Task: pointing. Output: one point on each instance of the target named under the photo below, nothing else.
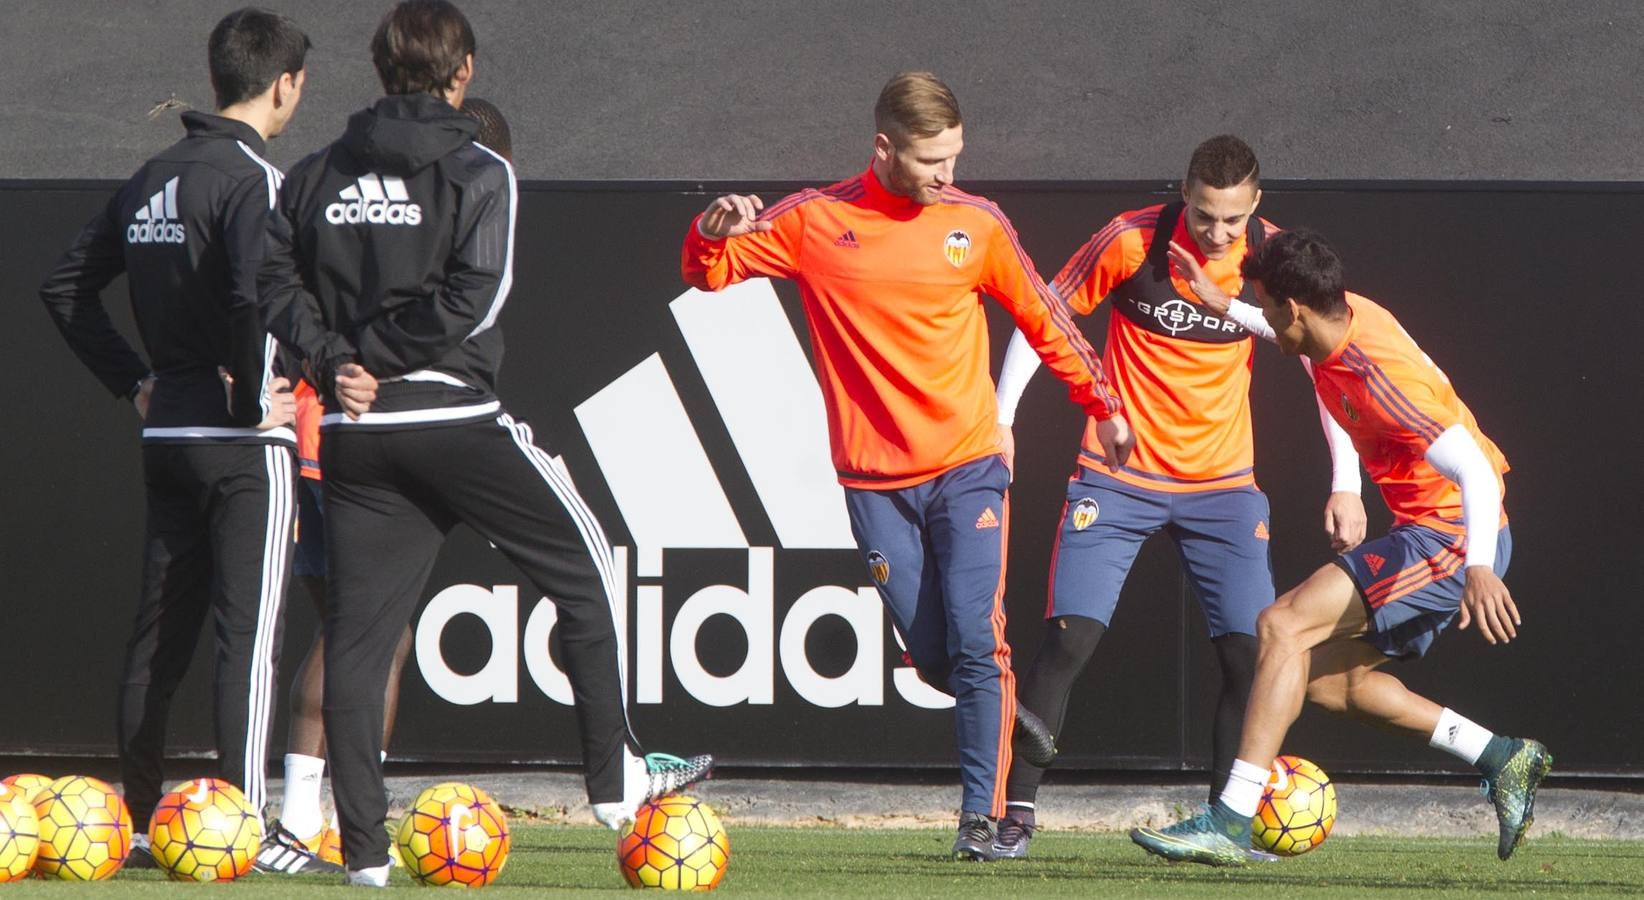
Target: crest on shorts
(879, 566)
(955, 247)
(1085, 513)
(1347, 407)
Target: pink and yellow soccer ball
(1297, 810)
(204, 830)
(85, 829)
(674, 843)
(19, 834)
(454, 834)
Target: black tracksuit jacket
(393, 248)
(188, 230)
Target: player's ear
(883, 147)
(1256, 202)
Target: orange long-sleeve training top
(892, 293)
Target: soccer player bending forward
(1390, 597)
(891, 265)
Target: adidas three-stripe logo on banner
(157, 222)
(374, 200)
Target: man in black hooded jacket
(390, 257)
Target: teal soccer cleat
(1215, 836)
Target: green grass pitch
(562, 861)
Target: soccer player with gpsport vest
(1183, 370)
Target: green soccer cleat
(1512, 790)
(1215, 836)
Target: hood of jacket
(403, 134)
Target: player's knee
(1070, 642)
(1276, 627)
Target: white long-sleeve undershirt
(1458, 457)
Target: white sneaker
(648, 778)
(376, 876)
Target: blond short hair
(915, 105)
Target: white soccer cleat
(645, 779)
(376, 877)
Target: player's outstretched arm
(1485, 599)
(1046, 322)
(1214, 298)
(730, 241)
(1208, 292)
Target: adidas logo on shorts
(157, 222)
(374, 200)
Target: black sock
(1020, 812)
(1045, 687)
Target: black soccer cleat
(283, 853)
(142, 854)
(1032, 742)
(974, 842)
(1011, 840)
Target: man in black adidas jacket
(188, 230)
(390, 257)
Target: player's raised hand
(1193, 273)
(1117, 440)
(356, 389)
(282, 405)
(1344, 520)
(1486, 599)
(732, 215)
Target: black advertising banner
(693, 426)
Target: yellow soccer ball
(674, 843)
(454, 835)
(204, 830)
(1298, 809)
(19, 834)
(85, 829)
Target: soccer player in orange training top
(1183, 372)
(1390, 597)
(891, 265)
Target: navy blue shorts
(1411, 580)
(310, 561)
(1222, 537)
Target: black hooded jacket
(187, 229)
(393, 248)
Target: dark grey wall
(1052, 89)
(1520, 318)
